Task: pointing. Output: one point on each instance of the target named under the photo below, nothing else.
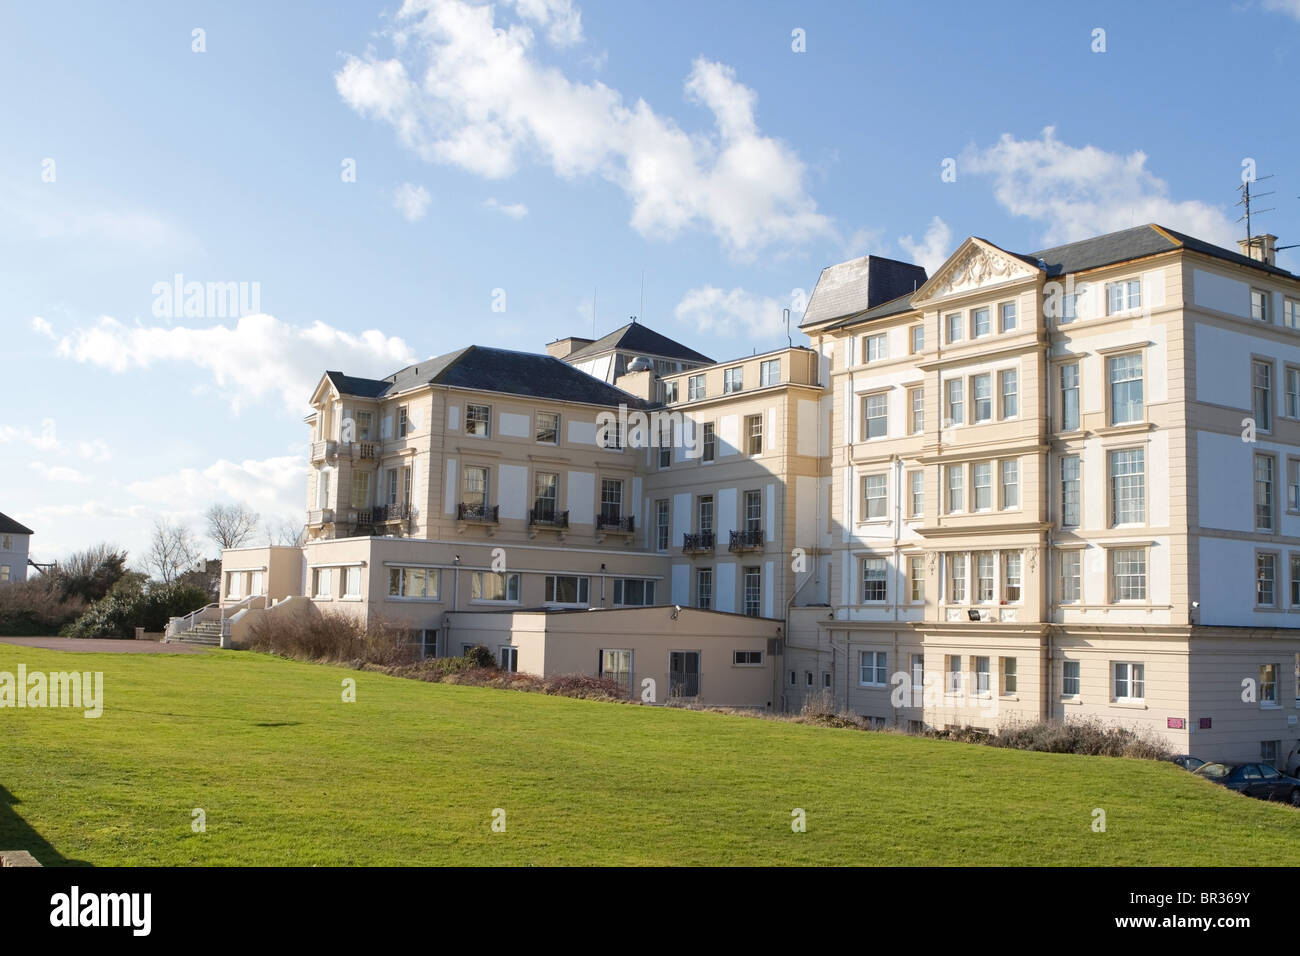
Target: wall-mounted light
(677, 609)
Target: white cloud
(516, 210)
(273, 487)
(932, 248)
(562, 21)
(866, 241)
(46, 440)
(41, 326)
(256, 358)
(737, 312)
(94, 450)
(1079, 192)
(51, 212)
(467, 91)
(411, 201)
(59, 473)
(1291, 7)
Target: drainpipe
(1046, 565)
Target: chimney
(1260, 248)
(563, 348)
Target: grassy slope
(410, 773)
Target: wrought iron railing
(700, 541)
(485, 514)
(548, 517)
(745, 540)
(616, 523)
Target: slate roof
(494, 370)
(641, 339)
(856, 286)
(1114, 247)
(9, 526)
(893, 307)
(1147, 240)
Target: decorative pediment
(975, 265)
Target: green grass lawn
(411, 773)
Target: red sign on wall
(1175, 723)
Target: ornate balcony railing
(382, 513)
(700, 541)
(745, 540)
(548, 518)
(624, 523)
(480, 513)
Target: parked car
(1186, 761)
(1254, 780)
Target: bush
(35, 608)
(331, 638)
(1090, 737)
(91, 574)
(480, 656)
(130, 604)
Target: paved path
(99, 645)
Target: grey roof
(635, 337)
(1147, 240)
(494, 370)
(9, 526)
(1114, 247)
(858, 285)
(893, 307)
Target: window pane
(1125, 373)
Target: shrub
(35, 608)
(331, 638)
(130, 604)
(1089, 737)
(480, 656)
(91, 574)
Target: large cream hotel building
(1061, 485)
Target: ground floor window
(1070, 679)
(509, 659)
(1008, 675)
(616, 665)
(684, 674)
(746, 658)
(1269, 750)
(426, 643)
(1130, 681)
(873, 669)
(953, 673)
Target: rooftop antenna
(785, 313)
(641, 310)
(1245, 201)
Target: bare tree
(230, 526)
(172, 551)
(283, 531)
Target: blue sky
(547, 149)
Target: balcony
(354, 450)
(361, 450)
(477, 513)
(746, 540)
(548, 518)
(382, 514)
(703, 541)
(320, 517)
(616, 524)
